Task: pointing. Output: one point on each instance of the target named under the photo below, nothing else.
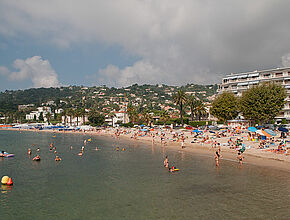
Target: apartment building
(239, 82)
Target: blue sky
(75, 65)
(118, 43)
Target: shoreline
(252, 156)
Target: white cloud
(141, 71)
(4, 70)
(177, 41)
(36, 69)
(286, 60)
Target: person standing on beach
(182, 142)
(166, 162)
(217, 158)
(240, 158)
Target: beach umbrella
(266, 134)
(144, 130)
(252, 129)
(197, 131)
(212, 132)
(270, 132)
(283, 129)
(260, 132)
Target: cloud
(141, 71)
(176, 41)
(286, 60)
(36, 69)
(4, 70)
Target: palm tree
(48, 116)
(192, 102)
(83, 114)
(164, 116)
(180, 100)
(70, 113)
(200, 109)
(146, 116)
(77, 114)
(133, 114)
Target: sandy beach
(252, 155)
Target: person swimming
(80, 153)
(117, 149)
(123, 149)
(37, 158)
(57, 158)
(172, 169)
(29, 151)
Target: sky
(118, 43)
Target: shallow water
(110, 184)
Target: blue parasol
(270, 132)
(252, 129)
(283, 129)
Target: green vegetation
(180, 100)
(262, 103)
(225, 107)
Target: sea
(131, 184)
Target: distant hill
(100, 97)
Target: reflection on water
(132, 184)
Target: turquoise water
(108, 184)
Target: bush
(199, 123)
(127, 125)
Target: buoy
(10, 182)
(89, 139)
(4, 180)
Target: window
(279, 74)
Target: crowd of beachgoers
(239, 141)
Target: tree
(191, 102)
(48, 116)
(199, 109)
(164, 116)
(263, 102)
(96, 119)
(146, 116)
(225, 107)
(77, 114)
(70, 113)
(40, 118)
(180, 100)
(132, 113)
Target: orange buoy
(10, 182)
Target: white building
(120, 117)
(239, 82)
(35, 114)
(74, 121)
